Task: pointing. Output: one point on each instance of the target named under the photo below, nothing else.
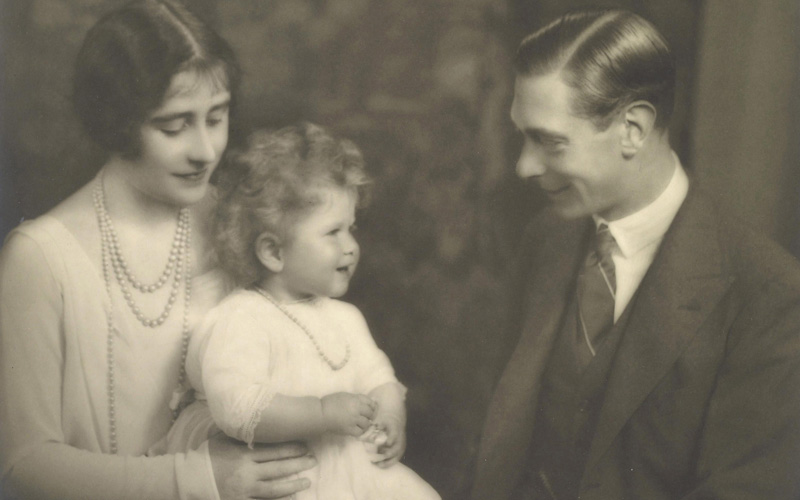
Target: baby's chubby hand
(347, 413)
(390, 439)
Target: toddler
(280, 359)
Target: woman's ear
(269, 252)
(640, 120)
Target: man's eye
(550, 144)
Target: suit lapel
(509, 424)
(686, 280)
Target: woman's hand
(263, 472)
(392, 450)
(347, 413)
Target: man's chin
(569, 211)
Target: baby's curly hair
(271, 183)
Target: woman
(98, 296)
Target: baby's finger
(356, 430)
(391, 434)
(269, 452)
(363, 423)
(279, 489)
(366, 410)
(369, 402)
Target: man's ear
(639, 121)
(269, 251)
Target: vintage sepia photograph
(400, 249)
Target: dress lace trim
(262, 400)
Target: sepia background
(424, 87)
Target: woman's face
(182, 141)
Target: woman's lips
(192, 176)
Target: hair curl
(273, 182)
(609, 58)
(127, 61)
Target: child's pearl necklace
(334, 366)
(180, 258)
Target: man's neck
(653, 168)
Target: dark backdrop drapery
(424, 86)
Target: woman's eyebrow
(187, 114)
(171, 116)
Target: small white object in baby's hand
(374, 437)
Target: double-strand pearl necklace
(175, 262)
(281, 308)
(179, 259)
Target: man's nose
(529, 163)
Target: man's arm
(750, 445)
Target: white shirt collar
(648, 225)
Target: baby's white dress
(247, 350)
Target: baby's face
(322, 254)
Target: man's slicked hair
(608, 58)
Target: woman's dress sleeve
(36, 460)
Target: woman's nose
(202, 147)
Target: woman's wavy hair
(127, 61)
(271, 183)
(609, 58)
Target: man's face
(580, 168)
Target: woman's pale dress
(247, 350)
(54, 419)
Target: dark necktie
(597, 288)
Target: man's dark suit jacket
(703, 397)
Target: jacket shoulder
(756, 261)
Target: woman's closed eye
(173, 127)
(217, 117)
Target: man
(659, 347)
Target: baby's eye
(353, 228)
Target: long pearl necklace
(179, 262)
(334, 366)
(125, 278)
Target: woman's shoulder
(57, 229)
(76, 213)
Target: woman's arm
(36, 460)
